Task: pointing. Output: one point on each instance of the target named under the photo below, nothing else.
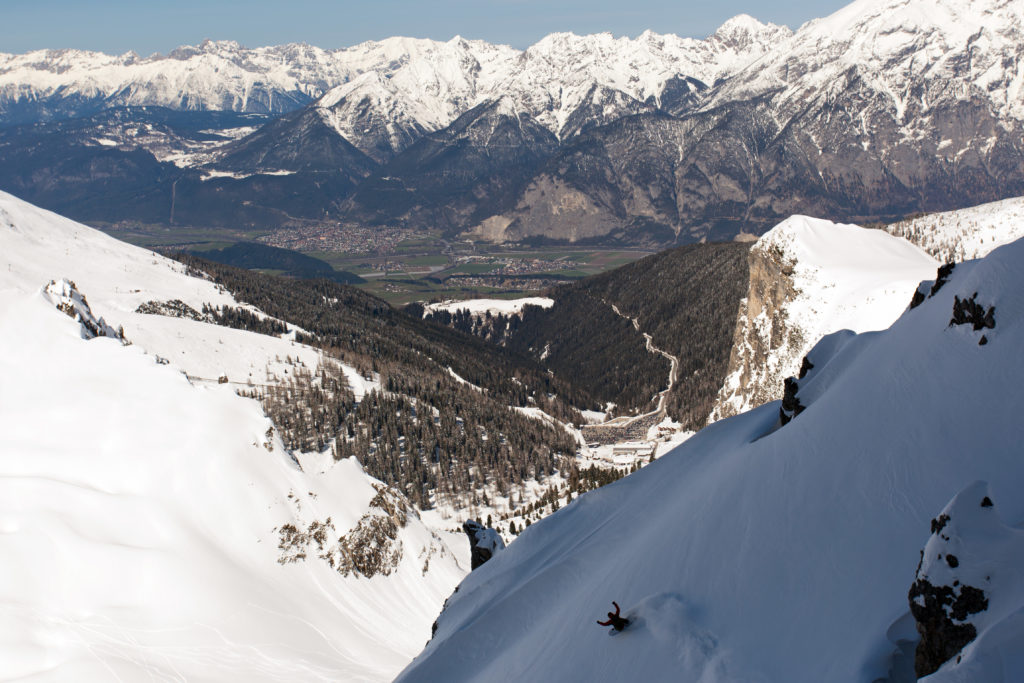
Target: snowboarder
(614, 620)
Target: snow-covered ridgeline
(432, 82)
(954, 48)
(144, 517)
(915, 52)
(965, 234)
(39, 246)
(757, 553)
(810, 277)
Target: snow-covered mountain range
(406, 81)
(885, 108)
(881, 110)
(761, 550)
(151, 521)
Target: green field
(426, 260)
(195, 239)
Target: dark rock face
(970, 312)
(941, 277)
(716, 173)
(456, 177)
(805, 366)
(300, 141)
(791, 406)
(483, 542)
(941, 602)
(937, 610)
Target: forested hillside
(685, 298)
(427, 431)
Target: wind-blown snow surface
(842, 277)
(138, 511)
(756, 555)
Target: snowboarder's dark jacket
(615, 620)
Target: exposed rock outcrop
(483, 542)
(954, 578)
(372, 547)
(810, 278)
(968, 311)
(66, 297)
(764, 337)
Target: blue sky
(148, 26)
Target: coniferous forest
(685, 298)
(426, 432)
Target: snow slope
(140, 513)
(839, 277)
(482, 306)
(38, 246)
(967, 542)
(749, 554)
(966, 233)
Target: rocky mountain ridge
(885, 109)
(434, 81)
(810, 278)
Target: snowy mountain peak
(505, 106)
(441, 80)
(207, 47)
(743, 30)
(911, 54)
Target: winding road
(673, 371)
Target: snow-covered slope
(969, 233)
(810, 277)
(756, 554)
(153, 526)
(482, 306)
(117, 278)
